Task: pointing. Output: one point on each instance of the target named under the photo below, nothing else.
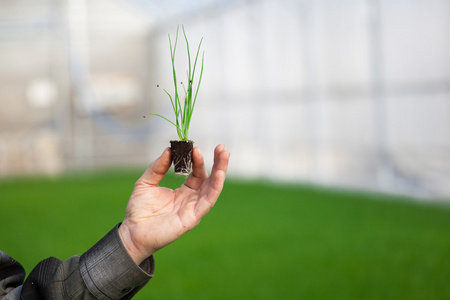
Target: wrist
(126, 235)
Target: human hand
(156, 216)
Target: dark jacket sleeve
(106, 271)
(12, 275)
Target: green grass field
(260, 241)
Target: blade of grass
(183, 113)
(198, 87)
(167, 120)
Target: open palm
(157, 216)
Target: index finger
(199, 174)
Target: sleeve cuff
(108, 270)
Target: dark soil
(182, 156)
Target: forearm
(109, 272)
(12, 275)
(106, 271)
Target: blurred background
(336, 114)
(349, 93)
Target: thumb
(157, 169)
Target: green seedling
(183, 113)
